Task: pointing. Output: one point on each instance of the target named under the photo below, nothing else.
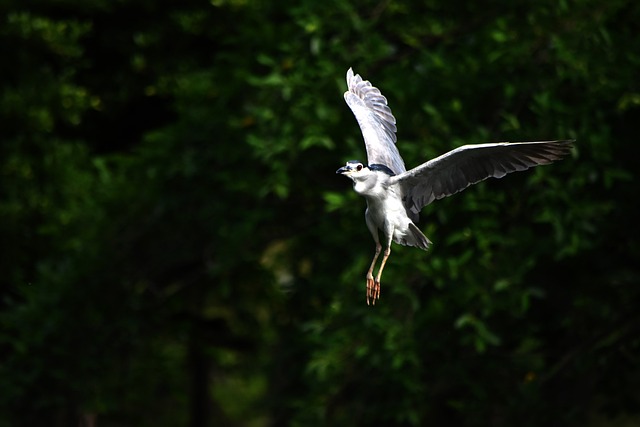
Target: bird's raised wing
(376, 122)
(456, 170)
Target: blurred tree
(177, 250)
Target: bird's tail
(420, 239)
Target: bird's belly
(390, 216)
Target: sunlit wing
(376, 122)
(458, 169)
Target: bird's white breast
(387, 207)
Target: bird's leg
(370, 281)
(376, 286)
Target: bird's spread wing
(456, 170)
(376, 122)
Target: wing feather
(458, 169)
(377, 123)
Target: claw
(370, 290)
(373, 291)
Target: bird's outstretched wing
(456, 170)
(376, 122)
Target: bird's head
(355, 169)
(366, 179)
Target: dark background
(176, 248)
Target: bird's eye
(359, 168)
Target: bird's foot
(373, 291)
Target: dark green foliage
(177, 250)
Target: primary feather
(456, 170)
(376, 122)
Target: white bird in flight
(395, 196)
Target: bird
(395, 196)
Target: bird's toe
(370, 290)
(376, 291)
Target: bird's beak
(342, 170)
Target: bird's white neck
(371, 185)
